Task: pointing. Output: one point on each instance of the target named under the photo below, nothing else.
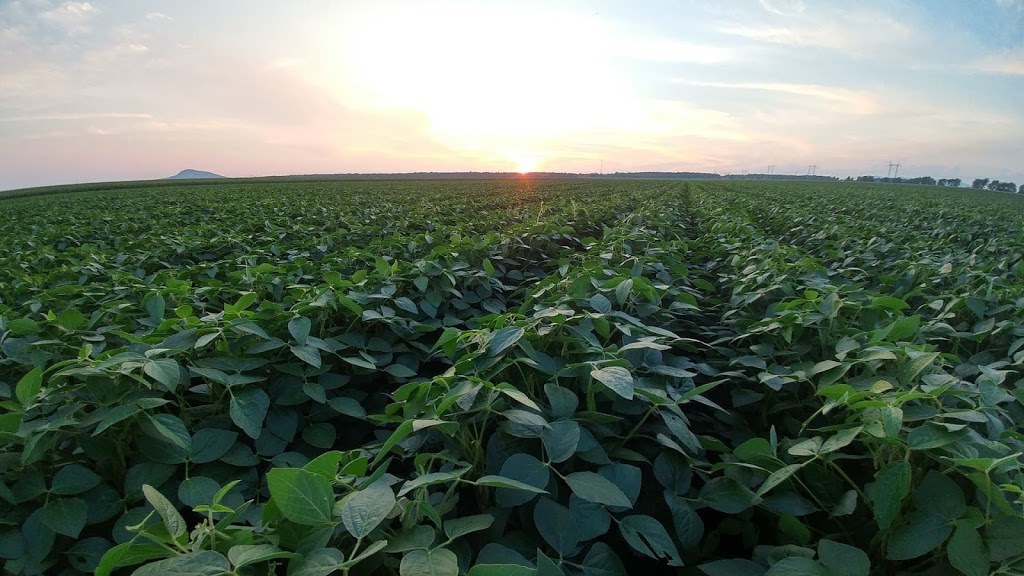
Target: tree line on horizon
(978, 184)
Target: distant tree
(979, 183)
(993, 185)
(1021, 189)
(865, 178)
(1006, 187)
(954, 182)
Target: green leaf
(65, 516)
(529, 477)
(302, 496)
(892, 485)
(437, 562)
(429, 480)
(168, 428)
(840, 440)
(197, 491)
(601, 560)
(248, 409)
(458, 527)
(777, 477)
(327, 464)
(74, 479)
(917, 535)
(727, 495)
(688, 524)
(525, 418)
(562, 400)
(129, 554)
(400, 371)
(403, 430)
(299, 328)
(595, 488)
(501, 570)
(928, 436)
(842, 559)
(966, 551)
(507, 483)
(941, 497)
(797, 566)
(205, 563)
(617, 379)
(732, 567)
(366, 509)
(600, 303)
(547, 567)
(244, 555)
(209, 444)
(23, 326)
(28, 387)
(308, 354)
(890, 303)
(172, 520)
(319, 562)
(503, 339)
(904, 328)
(164, 370)
(1004, 537)
(647, 536)
(556, 525)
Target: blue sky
(117, 89)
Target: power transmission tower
(770, 168)
(897, 174)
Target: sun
(525, 163)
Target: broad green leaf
(842, 559)
(595, 488)
(966, 552)
(546, 566)
(617, 379)
(319, 562)
(797, 566)
(299, 328)
(600, 303)
(244, 555)
(928, 436)
(528, 477)
(205, 563)
(400, 433)
(732, 567)
(167, 428)
(197, 491)
(436, 562)
(458, 527)
(940, 497)
(327, 464)
(501, 570)
(308, 354)
(688, 524)
(248, 409)
(840, 440)
(129, 554)
(164, 370)
(367, 508)
(209, 444)
(525, 418)
(74, 479)
(892, 485)
(562, 400)
(302, 496)
(172, 520)
(727, 495)
(904, 328)
(503, 339)
(65, 516)
(917, 535)
(777, 477)
(1005, 537)
(601, 560)
(556, 525)
(647, 536)
(429, 480)
(28, 386)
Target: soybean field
(512, 378)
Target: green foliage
(512, 378)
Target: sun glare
(525, 164)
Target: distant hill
(188, 173)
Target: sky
(137, 89)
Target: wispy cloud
(74, 17)
(851, 101)
(158, 17)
